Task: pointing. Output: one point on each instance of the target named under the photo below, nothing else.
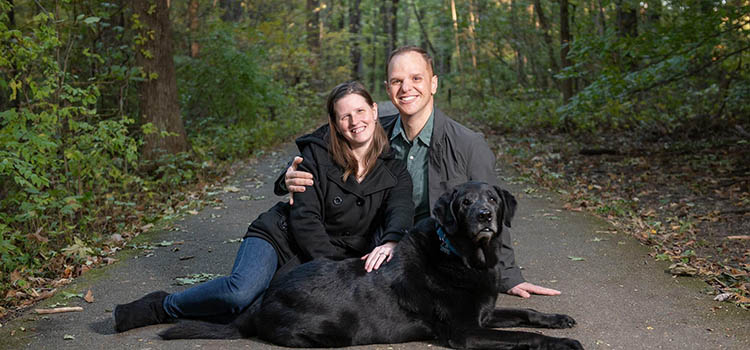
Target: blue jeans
(253, 270)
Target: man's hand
(526, 289)
(295, 180)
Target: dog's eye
(466, 201)
(493, 199)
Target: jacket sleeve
(481, 167)
(306, 217)
(398, 206)
(279, 187)
(481, 161)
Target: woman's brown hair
(339, 148)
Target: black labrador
(441, 284)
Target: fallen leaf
(69, 337)
(576, 258)
(723, 296)
(681, 269)
(193, 212)
(89, 297)
(195, 278)
(231, 189)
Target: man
(439, 152)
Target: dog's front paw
(561, 321)
(564, 344)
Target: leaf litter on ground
(195, 278)
(674, 195)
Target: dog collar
(445, 245)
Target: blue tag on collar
(445, 245)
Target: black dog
(441, 285)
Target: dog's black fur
(423, 293)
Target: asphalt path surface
(620, 297)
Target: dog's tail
(201, 330)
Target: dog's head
(472, 216)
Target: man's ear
(443, 211)
(508, 206)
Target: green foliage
(57, 153)
(227, 82)
(232, 105)
(677, 71)
(518, 110)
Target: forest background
(116, 115)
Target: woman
(359, 206)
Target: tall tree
(394, 24)
(627, 18)
(232, 10)
(454, 16)
(385, 13)
(354, 30)
(627, 27)
(193, 19)
(547, 38)
(313, 26)
(565, 40)
(472, 36)
(158, 93)
(374, 51)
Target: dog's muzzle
(483, 237)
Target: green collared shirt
(416, 155)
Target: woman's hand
(379, 255)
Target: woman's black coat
(338, 219)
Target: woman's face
(356, 120)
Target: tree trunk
(232, 10)
(193, 19)
(313, 27)
(627, 18)
(601, 23)
(354, 30)
(394, 24)
(158, 93)
(565, 39)
(454, 16)
(627, 27)
(472, 36)
(653, 13)
(374, 46)
(419, 14)
(385, 12)
(547, 40)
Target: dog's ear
(509, 205)
(443, 211)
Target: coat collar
(379, 179)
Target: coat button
(360, 202)
(337, 201)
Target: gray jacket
(457, 155)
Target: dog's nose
(485, 215)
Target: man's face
(411, 84)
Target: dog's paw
(564, 344)
(561, 321)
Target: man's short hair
(410, 48)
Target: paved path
(621, 298)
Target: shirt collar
(424, 136)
